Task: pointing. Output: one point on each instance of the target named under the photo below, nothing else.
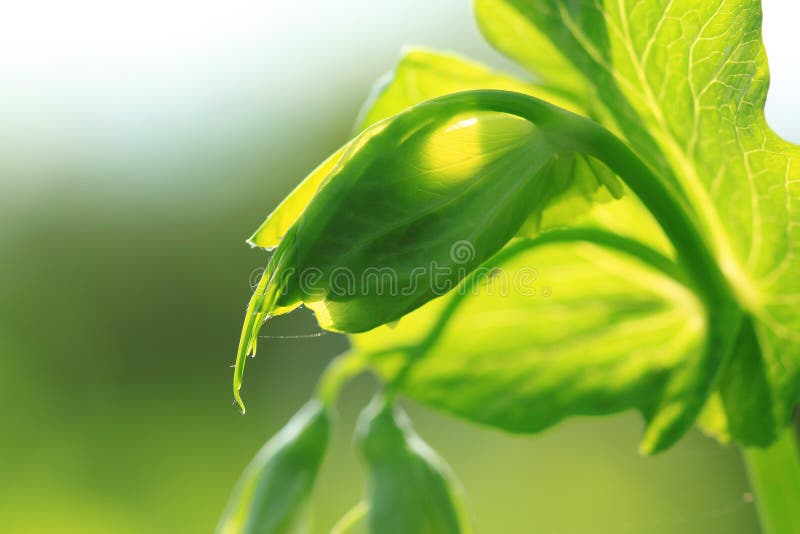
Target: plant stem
(349, 520)
(344, 367)
(774, 474)
(338, 371)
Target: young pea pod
(272, 494)
(410, 489)
(411, 211)
(402, 214)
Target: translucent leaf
(685, 84)
(551, 331)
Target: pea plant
(622, 233)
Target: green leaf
(707, 148)
(409, 488)
(550, 329)
(272, 494)
(277, 224)
(685, 84)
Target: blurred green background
(139, 146)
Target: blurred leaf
(272, 495)
(409, 488)
(775, 476)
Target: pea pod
(272, 493)
(402, 214)
(417, 202)
(410, 489)
(408, 213)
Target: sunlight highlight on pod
(463, 146)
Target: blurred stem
(350, 519)
(343, 368)
(774, 474)
(340, 370)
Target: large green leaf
(558, 328)
(684, 82)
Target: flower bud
(402, 214)
(410, 489)
(272, 493)
(410, 211)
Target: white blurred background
(122, 82)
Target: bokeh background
(140, 143)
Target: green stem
(339, 370)
(349, 520)
(571, 133)
(344, 367)
(774, 474)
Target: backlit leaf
(553, 330)
(685, 84)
